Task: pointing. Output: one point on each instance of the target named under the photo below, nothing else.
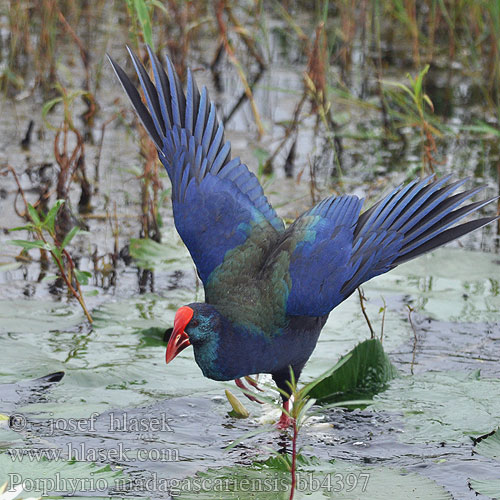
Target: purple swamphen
(269, 289)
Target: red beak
(179, 339)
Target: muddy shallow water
(420, 429)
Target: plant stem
(220, 7)
(362, 299)
(294, 458)
(77, 294)
(415, 338)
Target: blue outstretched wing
(334, 251)
(410, 221)
(212, 217)
(320, 247)
(216, 199)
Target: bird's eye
(193, 323)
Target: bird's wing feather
(216, 199)
(319, 245)
(333, 251)
(409, 222)
(213, 218)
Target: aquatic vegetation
(301, 88)
(44, 228)
(418, 119)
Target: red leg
(241, 385)
(285, 421)
(253, 383)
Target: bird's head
(197, 325)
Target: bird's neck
(233, 352)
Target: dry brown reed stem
(315, 91)
(68, 164)
(384, 309)
(179, 46)
(378, 71)
(20, 190)
(494, 63)
(294, 459)
(316, 66)
(411, 11)
(116, 233)
(244, 35)
(44, 196)
(83, 52)
(415, 338)
(348, 23)
(88, 97)
(427, 132)
(362, 299)
(45, 50)
(433, 23)
(19, 42)
(186, 17)
(268, 167)
(150, 183)
(219, 12)
(97, 160)
(429, 150)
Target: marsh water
(120, 422)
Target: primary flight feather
(269, 289)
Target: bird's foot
(241, 385)
(285, 420)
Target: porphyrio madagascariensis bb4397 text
(269, 289)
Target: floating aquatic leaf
(443, 287)
(315, 480)
(28, 316)
(58, 477)
(170, 255)
(488, 447)
(362, 373)
(487, 487)
(443, 406)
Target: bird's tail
(410, 221)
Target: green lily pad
(361, 373)
(487, 487)
(30, 316)
(447, 285)
(442, 406)
(488, 447)
(320, 480)
(169, 255)
(119, 363)
(59, 477)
